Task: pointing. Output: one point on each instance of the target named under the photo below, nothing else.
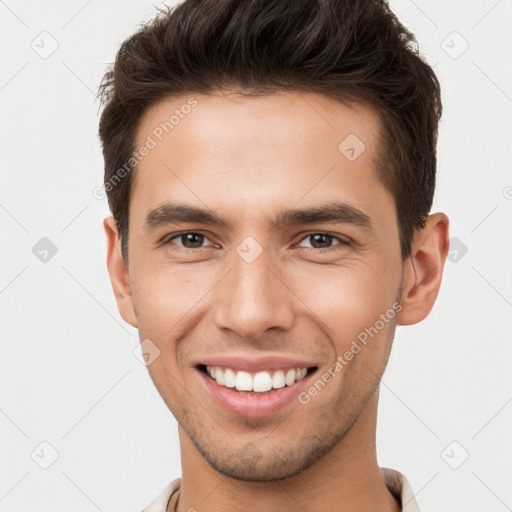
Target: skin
(248, 159)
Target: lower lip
(254, 405)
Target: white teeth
(260, 382)
(290, 377)
(219, 376)
(243, 381)
(301, 373)
(229, 378)
(278, 380)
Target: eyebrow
(337, 212)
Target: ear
(119, 273)
(423, 269)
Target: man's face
(259, 297)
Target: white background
(69, 375)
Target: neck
(346, 478)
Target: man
(270, 167)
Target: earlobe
(118, 272)
(423, 270)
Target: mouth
(254, 394)
(256, 382)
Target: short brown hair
(350, 50)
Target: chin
(250, 463)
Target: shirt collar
(395, 481)
(400, 488)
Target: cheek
(164, 295)
(350, 301)
(164, 298)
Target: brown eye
(323, 240)
(189, 240)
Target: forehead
(226, 148)
(293, 114)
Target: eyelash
(342, 241)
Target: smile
(260, 382)
(253, 390)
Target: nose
(254, 298)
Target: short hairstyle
(354, 51)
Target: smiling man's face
(254, 287)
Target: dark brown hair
(350, 50)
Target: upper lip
(256, 363)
